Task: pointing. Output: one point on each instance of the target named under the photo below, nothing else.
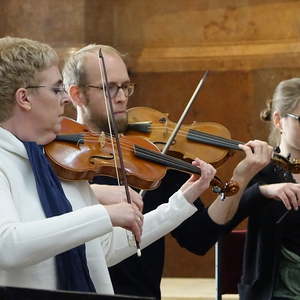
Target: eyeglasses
(113, 88)
(57, 90)
(294, 116)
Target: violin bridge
(166, 130)
(101, 139)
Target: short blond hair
(20, 60)
(74, 72)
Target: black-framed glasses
(57, 90)
(297, 117)
(113, 88)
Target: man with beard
(54, 234)
(142, 276)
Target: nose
(65, 99)
(121, 97)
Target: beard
(122, 122)
(102, 124)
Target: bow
(114, 132)
(181, 119)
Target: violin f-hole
(106, 157)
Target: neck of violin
(206, 138)
(177, 164)
(165, 160)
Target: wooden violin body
(190, 142)
(207, 140)
(78, 154)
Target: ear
(76, 95)
(277, 120)
(22, 99)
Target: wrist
(242, 181)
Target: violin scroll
(290, 164)
(224, 189)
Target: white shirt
(29, 241)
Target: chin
(57, 128)
(49, 135)
(46, 139)
(122, 124)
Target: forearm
(222, 211)
(199, 225)
(258, 155)
(157, 223)
(27, 243)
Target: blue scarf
(71, 266)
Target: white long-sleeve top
(29, 241)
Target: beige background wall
(248, 47)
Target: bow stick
(112, 123)
(181, 119)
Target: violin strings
(214, 140)
(174, 163)
(193, 135)
(200, 136)
(94, 138)
(129, 146)
(85, 137)
(125, 144)
(155, 156)
(167, 160)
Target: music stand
(15, 293)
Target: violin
(209, 141)
(79, 154)
(194, 140)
